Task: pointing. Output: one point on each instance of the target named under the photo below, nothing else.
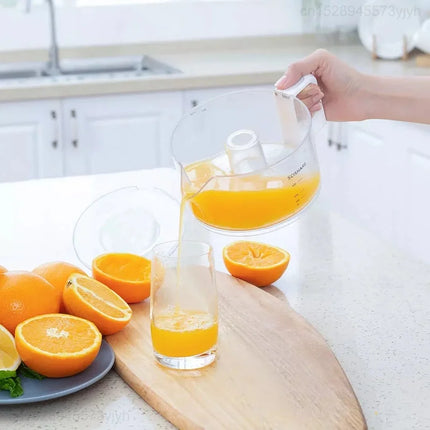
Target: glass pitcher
(247, 158)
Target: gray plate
(51, 388)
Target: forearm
(401, 99)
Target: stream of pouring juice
(182, 332)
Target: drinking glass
(184, 304)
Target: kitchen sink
(80, 68)
(21, 74)
(70, 69)
(145, 66)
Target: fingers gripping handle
(318, 119)
(300, 85)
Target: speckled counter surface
(370, 302)
(203, 64)
(108, 404)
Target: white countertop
(247, 61)
(370, 302)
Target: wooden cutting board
(273, 370)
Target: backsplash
(138, 23)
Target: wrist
(369, 97)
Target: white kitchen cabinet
(368, 170)
(380, 178)
(329, 139)
(95, 134)
(412, 196)
(115, 133)
(30, 145)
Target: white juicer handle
(318, 118)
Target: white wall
(165, 20)
(106, 25)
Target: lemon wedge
(9, 357)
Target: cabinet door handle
(335, 136)
(194, 103)
(74, 128)
(54, 117)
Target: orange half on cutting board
(129, 275)
(256, 263)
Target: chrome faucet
(53, 66)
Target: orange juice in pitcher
(250, 202)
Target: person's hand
(339, 86)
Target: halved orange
(129, 275)
(256, 263)
(87, 298)
(57, 345)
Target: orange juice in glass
(184, 305)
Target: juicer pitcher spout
(185, 180)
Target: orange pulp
(183, 333)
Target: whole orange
(24, 295)
(57, 273)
